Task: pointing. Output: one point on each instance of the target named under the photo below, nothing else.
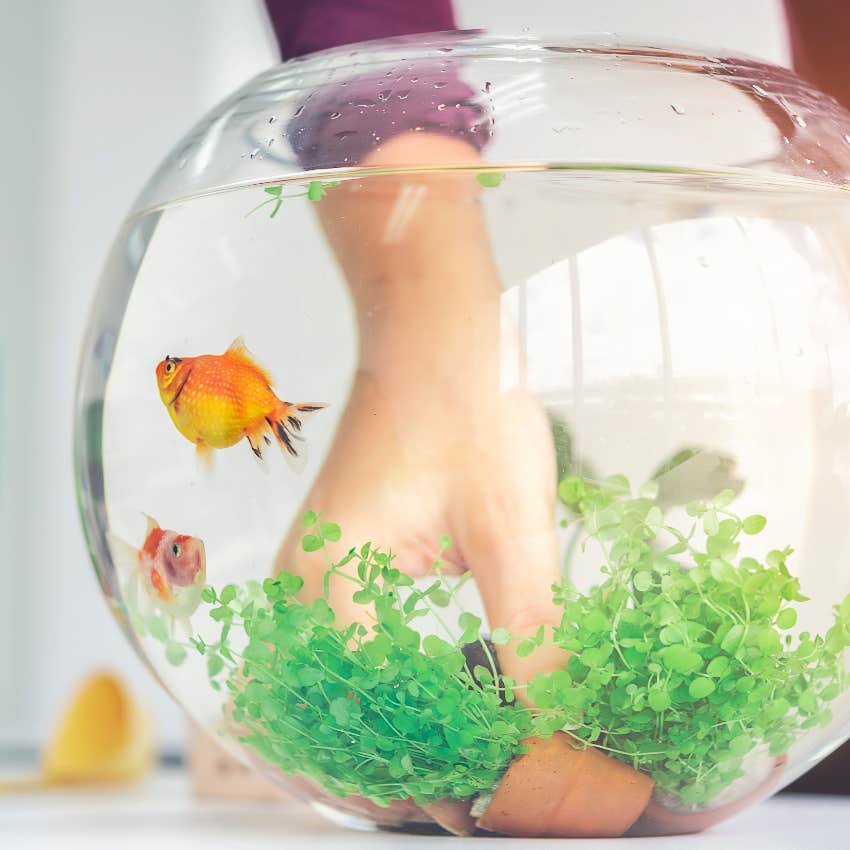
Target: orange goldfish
(170, 568)
(217, 399)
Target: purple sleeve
(340, 126)
(305, 26)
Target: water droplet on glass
(487, 86)
(759, 90)
(344, 134)
(272, 119)
(364, 104)
(270, 142)
(440, 84)
(298, 112)
(414, 79)
(404, 94)
(441, 107)
(334, 115)
(255, 152)
(445, 50)
(798, 119)
(677, 109)
(847, 138)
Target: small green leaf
(330, 531)
(710, 523)
(642, 581)
(723, 498)
(680, 659)
(525, 648)
(435, 646)
(215, 664)
(659, 700)
(311, 542)
(309, 519)
(700, 688)
(441, 598)
(754, 524)
(786, 619)
(500, 636)
(175, 653)
(490, 179)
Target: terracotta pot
(658, 820)
(561, 789)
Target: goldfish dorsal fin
(152, 524)
(239, 351)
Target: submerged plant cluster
(681, 661)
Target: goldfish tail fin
(286, 423)
(125, 556)
(205, 455)
(185, 626)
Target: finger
(505, 530)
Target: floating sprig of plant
(315, 191)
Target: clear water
(475, 343)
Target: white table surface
(162, 813)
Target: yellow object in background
(103, 737)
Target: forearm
(415, 252)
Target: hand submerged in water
(429, 443)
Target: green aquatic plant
(366, 708)
(681, 662)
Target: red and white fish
(170, 569)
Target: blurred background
(93, 95)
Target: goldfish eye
(176, 550)
(169, 367)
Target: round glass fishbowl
(463, 432)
